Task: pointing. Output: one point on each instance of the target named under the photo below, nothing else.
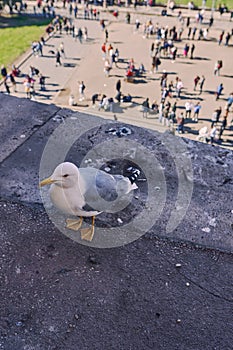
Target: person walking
(106, 35)
(193, 33)
(228, 36)
(219, 112)
(196, 81)
(202, 84)
(211, 21)
(196, 111)
(230, 100)
(192, 51)
(103, 49)
(161, 108)
(218, 65)
(27, 86)
(75, 11)
(71, 101)
(40, 48)
(62, 50)
(94, 98)
(107, 67)
(174, 107)
(80, 35)
(58, 58)
(213, 134)
(145, 108)
(222, 127)
(214, 119)
(155, 64)
(82, 87)
(180, 123)
(200, 34)
(4, 72)
(220, 38)
(137, 25)
(179, 87)
(13, 82)
(173, 51)
(189, 32)
(219, 91)
(188, 109)
(42, 82)
(186, 50)
(70, 9)
(85, 33)
(127, 18)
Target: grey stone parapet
(158, 292)
(197, 177)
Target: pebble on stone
(206, 229)
(178, 265)
(119, 220)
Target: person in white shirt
(188, 109)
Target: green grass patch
(228, 3)
(16, 35)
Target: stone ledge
(150, 294)
(208, 219)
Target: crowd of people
(171, 106)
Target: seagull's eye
(66, 175)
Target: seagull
(87, 192)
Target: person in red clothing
(220, 38)
(115, 13)
(15, 71)
(196, 81)
(103, 49)
(129, 73)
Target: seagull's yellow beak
(47, 181)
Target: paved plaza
(84, 62)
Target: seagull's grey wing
(106, 186)
(101, 188)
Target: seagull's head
(65, 175)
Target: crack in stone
(94, 134)
(205, 289)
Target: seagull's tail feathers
(133, 187)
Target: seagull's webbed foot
(88, 233)
(74, 224)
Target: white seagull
(86, 192)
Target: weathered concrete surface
(19, 120)
(62, 295)
(58, 294)
(208, 220)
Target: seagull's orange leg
(74, 224)
(88, 233)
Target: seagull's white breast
(69, 201)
